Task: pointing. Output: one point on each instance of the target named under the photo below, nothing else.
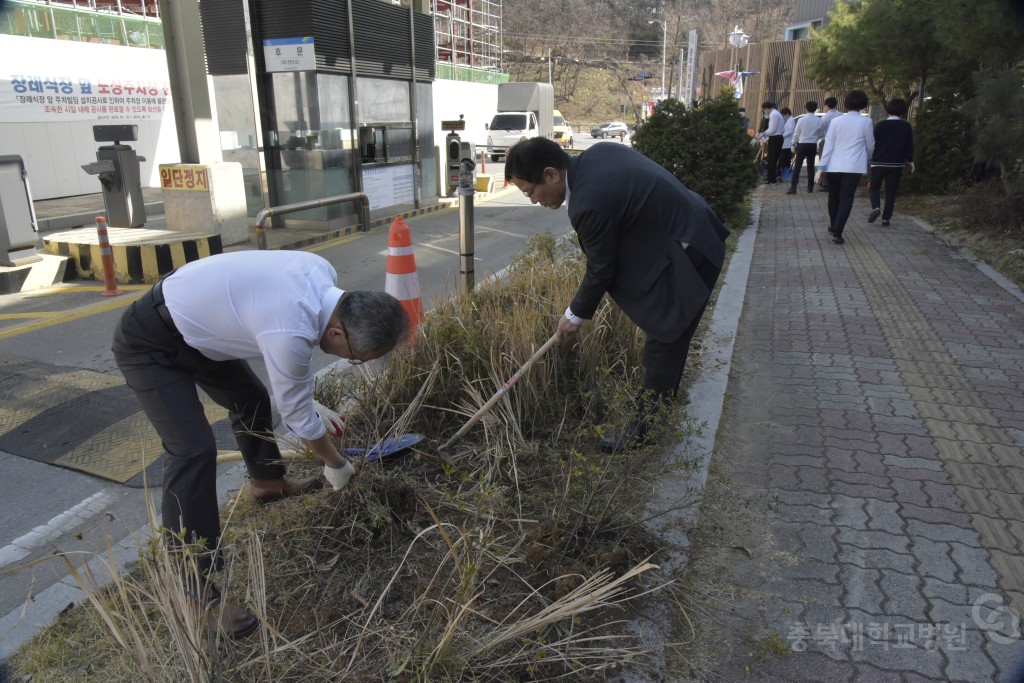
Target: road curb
(676, 497)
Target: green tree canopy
(888, 46)
(998, 112)
(962, 58)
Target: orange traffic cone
(107, 259)
(401, 280)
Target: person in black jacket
(894, 149)
(653, 245)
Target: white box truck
(525, 110)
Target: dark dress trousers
(632, 217)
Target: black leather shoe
(873, 216)
(838, 239)
(885, 223)
(791, 190)
(630, 437)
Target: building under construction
(467, 37)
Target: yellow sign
(184, 177)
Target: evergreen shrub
(943, 143)
(706, 148)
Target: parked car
(609, 130)
(563, 130)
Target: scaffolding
(116, 22)
(468, 33)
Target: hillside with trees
(600, 48)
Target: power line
(582, 39)
(542, 37)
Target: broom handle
(494, 399)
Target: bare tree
(615, 37)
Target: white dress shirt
(849, 143)
(250, 304)
(808, 129)
(787, 131)
(776, 123)
(827, 119)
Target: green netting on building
(68, 23)
(452, 72)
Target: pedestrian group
(847, 147)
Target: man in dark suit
(653, 245)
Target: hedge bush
(706, 148)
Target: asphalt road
(48, 507)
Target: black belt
(161, 307)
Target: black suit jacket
(631, 215)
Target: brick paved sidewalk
(878, 416)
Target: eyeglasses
(351, 361)
(529, 194)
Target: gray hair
(374, 321)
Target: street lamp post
(664, 40)
(738, 39)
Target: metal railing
(265, 214)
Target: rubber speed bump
(82, 420)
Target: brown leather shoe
(235, 621)
(269, 490)
(232, 620)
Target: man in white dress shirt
(805, 144)
(773, 135)
(196, 327)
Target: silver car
(612, 129)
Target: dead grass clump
(511, 562)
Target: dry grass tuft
(513, 562)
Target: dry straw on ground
(512, 562)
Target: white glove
(338, 476)
(334, 422)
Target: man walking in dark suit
(653, 245)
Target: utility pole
(664, 40)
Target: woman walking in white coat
(849, 144)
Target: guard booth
(117, 166)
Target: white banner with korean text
(72, 81)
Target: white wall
(476, 101)
(54, 145)
(54, 153)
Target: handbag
(787, 174)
